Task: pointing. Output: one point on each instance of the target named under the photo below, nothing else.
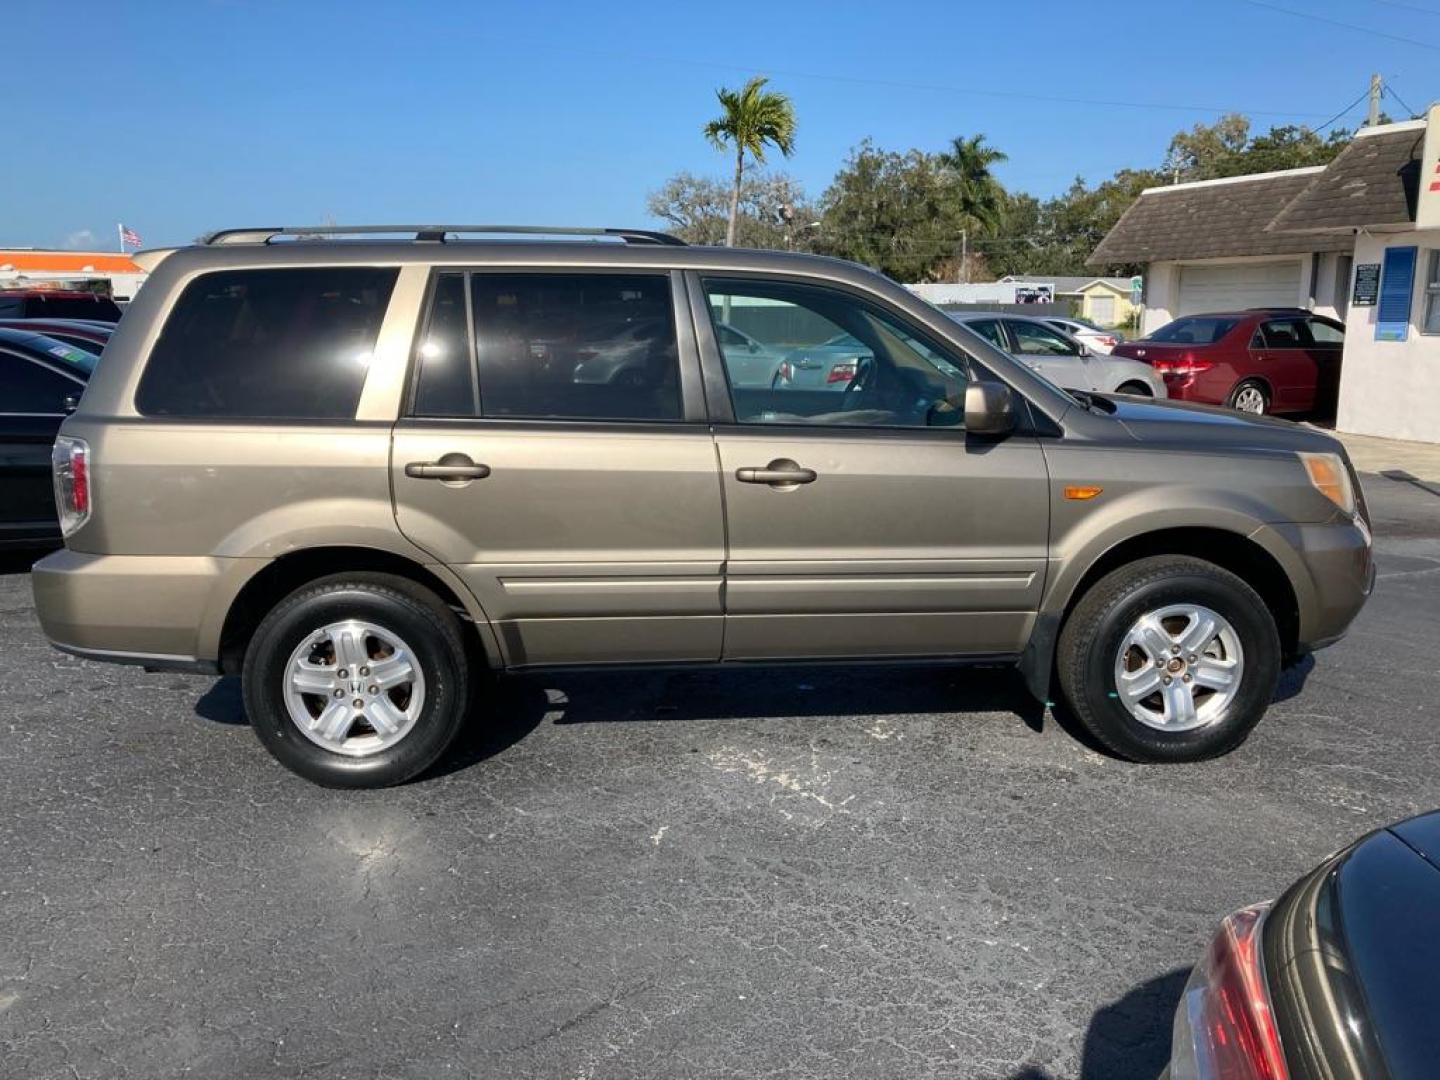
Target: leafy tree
(751, 119)
(895, 212)
(773, 211)
(1226, 148)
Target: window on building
(263, 344)
(1432, 296)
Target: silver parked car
(1062, 359)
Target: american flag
(129, 236)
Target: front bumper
(158, 611)
(1332, 569)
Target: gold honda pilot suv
(355, 466)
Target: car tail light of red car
(1224, 1025)
(841, 372)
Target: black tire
(1245, 386)
(1091, 638)
(417, 616)
(1137, 388)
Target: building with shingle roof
(1357, 239)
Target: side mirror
(989, 409)
(754, 347)
(1084, 350)
(71, 403)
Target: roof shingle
(1372, 182)
(1212, 219)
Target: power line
(1398, 99)
(1408, 7)
(1343, 111)
(1345, 25)
(900, 84)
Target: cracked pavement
(800, 873)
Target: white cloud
(79, 240)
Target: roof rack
(435, 234)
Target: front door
(1280, 351)
(1057, 357)
(554, 454)
(861, 520)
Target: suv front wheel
(1169, 658)
(357, 680)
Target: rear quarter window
(268, 344)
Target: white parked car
(1087, 333)
(1062, 359)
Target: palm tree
(981, 197)
(753, 118)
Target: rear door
(554, 452)
(33, 402)
(862, 522)
(1280, 351)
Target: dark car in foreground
(87, 334)
(1338, 979)
(41, 380)
(57, 304)
(1269, 360)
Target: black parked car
(1339, 978)
(41, 379)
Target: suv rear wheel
(1169, 658)
(357, 680)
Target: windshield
(1195, 330)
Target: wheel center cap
(1175, 665)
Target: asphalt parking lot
(803, 873)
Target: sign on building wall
(1427, 205)
(1397, 283)
(1367, 285)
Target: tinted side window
(828, 358)
(11, 307)
(28, 387)
(1285, 334)
(1326, 333)
(445, 383)
(82, 307)
(258, 344)
(576, 346)
(1033, 339)
(990, 330)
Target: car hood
(1199, 426)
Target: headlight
(1330, 477)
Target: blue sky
(177, 118)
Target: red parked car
(1282, 360)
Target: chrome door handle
(436, 470)
(779, 471)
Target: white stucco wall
(1392, 388)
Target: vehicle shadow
(508, 709)
(20, 560)
(1128, 1039)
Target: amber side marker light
(1081, 492)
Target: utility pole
(1377, 86)
(964, 256)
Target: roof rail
(433, 233)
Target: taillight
(1224, 1026)
(1183, 368)
(842, 372)
(785, 372)
(1108, 341)
(70, 468)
